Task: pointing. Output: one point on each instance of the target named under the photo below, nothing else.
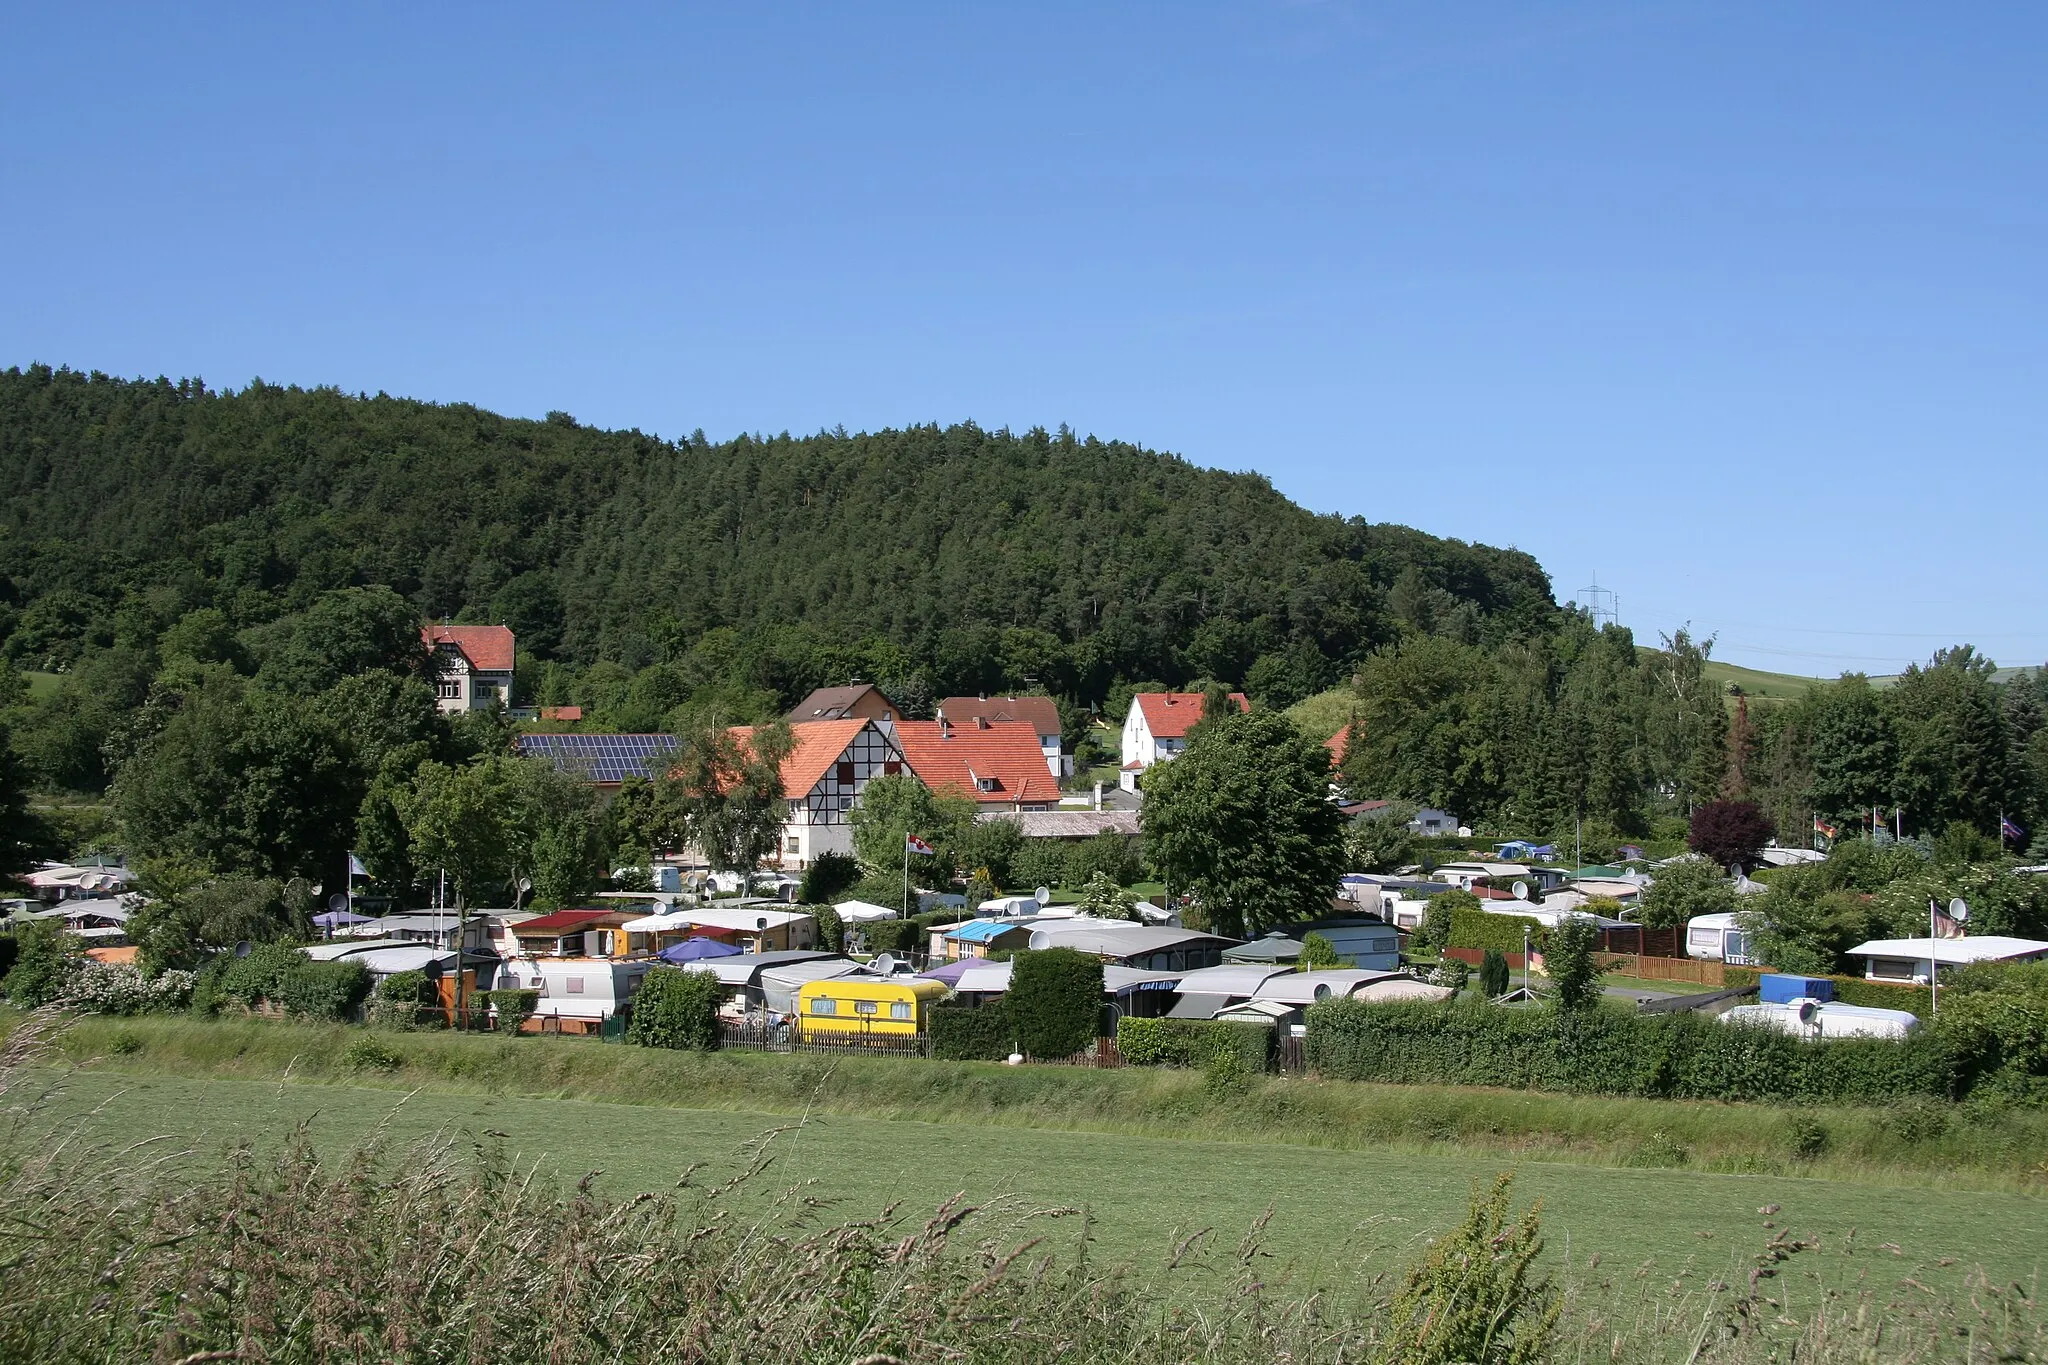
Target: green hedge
(282, 975)
(1608, 1052)
(962, 1033)
(1055, 1002)
(1481, 929)
(512, 1007)
(1852, 990)
(1193, 1042)
(677, 1009)
(905, 936)
(324, 990)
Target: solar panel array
(598, 758)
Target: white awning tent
(862, 912)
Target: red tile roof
(488, 648)
(1042, 714)
(1337, 744)
(819, 743)
(561, 713)
(1169, 714)
(953, 758)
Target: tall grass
(441, 1253)
(1979, 1145)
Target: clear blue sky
(1741, 307)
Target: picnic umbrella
(695, 950)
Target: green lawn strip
(1336, 1214)
(1939, 1147)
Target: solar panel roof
(598, 758)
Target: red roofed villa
(997, 764)
(473, 666)
(1156, 729)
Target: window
(844, 773)
(863, 1007)
(890, 767)
(575, 985)
(447, 689)
(846, 803)
(820, 1005)
(899, 1009)
(793, 844)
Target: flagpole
(1933, 967)
(906, 876)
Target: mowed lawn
(1334, 1212)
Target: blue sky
(1740, 307)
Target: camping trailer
(1717, 938)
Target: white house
(472, 664)
(1156, 728)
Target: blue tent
(696, 950)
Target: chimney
(1098, 796)
(981, 722)
(945, 728)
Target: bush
(1608, 1052)
(831, 932)
(1433, 935)
(1106, 853)
(1318, 952)
(1453, 972)
(367, 1053)
(1493, 974)
(961, 1033)
(1472, 1299)
(1568, 959)
(1193, 1042)
(45, 961)
(1481, 929)
(1055, 1002)
(328, 991)
(116, 988)
(828, 878)
(675, 1008)
(511, 1008)
(251, 980)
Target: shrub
(324, 990)
(511, 1008)
(1055, 1001)
(1608, 1052)
(828, 878)
(1453, 972)
(1685, 890)
(1809, 1137)
(403, 987)
(961, 1033)
(251, 980)
(675, 1008)
(1434, 933)
(1568, 958)
(116, 988)
(1317, 951)
(1472, 1299)
(1493, 974)
(1192, 1042)
(831, 932)
(45, 961)
(368, 1053)
(1482, 929)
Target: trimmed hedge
(1482, 929)
(962, 1033)
(1054, 1002)
(1608, 1052)
(1193, 1042)
(282, 975)
(325, 990)
(677, 1009)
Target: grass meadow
(1353, 1175)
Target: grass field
(42, 685)
(1349, 1171)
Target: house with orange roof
(997, 764)
(1156, 729)
(829, 766)
(1042, 714)
(472, 666)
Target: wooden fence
(1666, 968)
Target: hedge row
(962, 1033)
(903, 936)
(1193, 1042)
(1483, 929)
(1605, 1052)
(1852, 990)
(282, 975)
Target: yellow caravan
(889, 1007)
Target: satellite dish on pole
(1959, 910)
(1043, 895)
(337, 902)
(1736, 872)
(1521, 890)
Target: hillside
(982, 558)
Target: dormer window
(988, 784)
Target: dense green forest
(939, 560)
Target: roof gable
(1042, 714)
(1169, 715)
(957, 759)
(488, 648)
(819, 745)
(837, 703)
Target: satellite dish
(1736, 872)
(337, 902)
(525, 885)
(244, 948)
(1521, 890)
(1322, 992)
(1959, 910)
(1040, 939)
(1043, 895)
(1807, 1009)
(885, 964)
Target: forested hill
(957, 557)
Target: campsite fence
(782, 1038)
